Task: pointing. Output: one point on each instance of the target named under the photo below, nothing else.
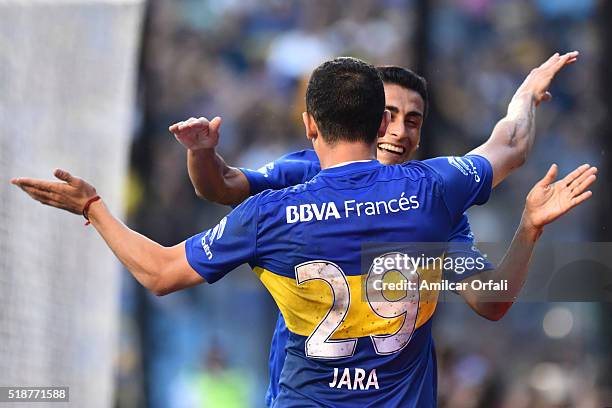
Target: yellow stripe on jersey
(305, 306)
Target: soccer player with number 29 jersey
(304, 242)
(407, 100)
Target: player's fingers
(554, 64)
(550, 60)
(45, 199)
(173, 128)
(547, 96)
(215, 124)
(37, 197)
(550, 176)
(564, 60)
(201, 123)
(41, 195)
(574, 174)
(187, 123)
(34, 193)
(580, 199)
(554, 68)
(24, 188)
(63, 175)
(36, 183)
(576, 182)
(570, 54)
(573, 54)
(586, 183)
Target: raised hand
(198, 133)
(71, 194)
(539, 79)
(548, 200)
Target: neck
(342, 152)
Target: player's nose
(397, 130)
(398, 136)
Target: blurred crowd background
(248, 61)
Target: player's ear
(384, 123)
(310, 125)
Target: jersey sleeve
(290, 170)
(231, 243)
(465, 258)
(466, 180)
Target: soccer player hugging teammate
(339, 349)
(407, 101)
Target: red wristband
(86, 208)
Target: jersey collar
(350, 167)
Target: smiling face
(403, 134)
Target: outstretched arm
(547, 201)
(211, 177)
(512, 138)
(160, 269)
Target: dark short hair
(346, 98)
(405, 78)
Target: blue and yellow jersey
(348, 342)
(300, 167)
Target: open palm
(548, 200)
(539, 79)
(70, 194)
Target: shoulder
(306, 155)
(270, 197)
(468, 165)
(294, 166)
(251, 207)
(460, 172)
(422, 169)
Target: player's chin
(390, 158)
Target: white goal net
(67, 82)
